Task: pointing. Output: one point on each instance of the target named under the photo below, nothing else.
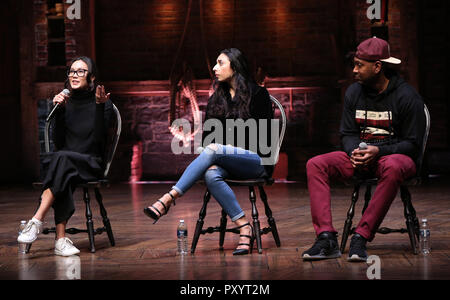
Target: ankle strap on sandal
(243, 244)
(246, 236)
(157, 210)
(165, 207)
(239, 227)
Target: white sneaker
(64, 247)
(30, 233)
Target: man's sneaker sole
(334, 254)
(356, 258)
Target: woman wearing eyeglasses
(79, 136)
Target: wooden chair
(412, 223)
(113, 139)
(251, 184)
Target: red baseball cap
(376, 49)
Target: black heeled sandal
(150, 213)
(252, 240)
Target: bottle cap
(182, 221)
(424, 220)
(23, 221)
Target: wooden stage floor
(146, 251)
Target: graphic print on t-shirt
(376, 128)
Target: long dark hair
(92, 71)
(220, 104)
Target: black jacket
(260, 107)
(393, 120)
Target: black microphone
(50, 115)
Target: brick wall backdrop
(299, 45)
(285, 38)
(10, 154)
(307, 39)
(145, 129)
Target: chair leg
(348, 221)
(256, 225)
(200, 221)
(223, 228)
(416, 224)
(89, 222)
(410, 217)
(104, 214)
(270, 219)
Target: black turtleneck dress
(79, 135)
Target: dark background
(298, 46)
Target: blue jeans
(229, 162)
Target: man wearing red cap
(387, 114)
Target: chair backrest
(425, 139)
(111, 145)
(283, 120)
(111, 150)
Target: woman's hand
(100, 95)
(60, 99)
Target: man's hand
(100, 95)
(362, 158)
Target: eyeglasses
(80, 73)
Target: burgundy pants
(391, 171)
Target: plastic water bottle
(425, 238)
(182, 238)
(22, 226)
(22, 247)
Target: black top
(393, 120)
(81, 124)
(260, 108)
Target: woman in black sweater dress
(79, 135)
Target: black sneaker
(325, 247)
(357, 249)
